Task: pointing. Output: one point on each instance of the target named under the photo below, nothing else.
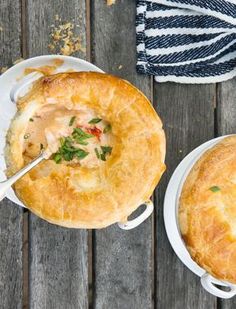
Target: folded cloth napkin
(187, 41)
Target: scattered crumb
(51, 47)
(1, 29)
(120, 67)
(110, 2)
(180, 150)
(3, 69)
(63, 38)
(18, 60)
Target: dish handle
(20, 85)
(129, 225)
(208, 282)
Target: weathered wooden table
(45, 266)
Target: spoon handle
(6, 184)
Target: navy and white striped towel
(187, 41)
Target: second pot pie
(207, 213)
(108, 149)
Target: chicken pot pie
(107, 145)
(207, 213)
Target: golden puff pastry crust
(207, 213)
(82, 196)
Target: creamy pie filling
(74, 137)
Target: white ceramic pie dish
(171, 204)
(14, 83)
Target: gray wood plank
(123, 259)
(187, 112)
(11, 216)
(226, 124)
(58, 256)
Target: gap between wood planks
(25, 257)
(219, 303)
(154, 238)
(25, 253)
(91, 236)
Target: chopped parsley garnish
(80, 136)
(215, 189)
(79, 133)
(68, 151)
(102, 157)
(105, 150)
(72, 120)
(95, 120)
(31, 119)
(67, 156)
(81, 141)
(81, 154)
(97, 153)
(107, 128)
(57, 157)
(66, 141)
(26, 136)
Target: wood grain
(58, 256)
(123, 259)
(226, 124)
(11, 216)
(187, 112)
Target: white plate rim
(37, 62)
(171, 205)
(27, 62)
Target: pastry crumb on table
(3, 69)
(63, 38)
(18, 60)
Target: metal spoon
(6, 184)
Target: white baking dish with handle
(15, 84)
(171, 204)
